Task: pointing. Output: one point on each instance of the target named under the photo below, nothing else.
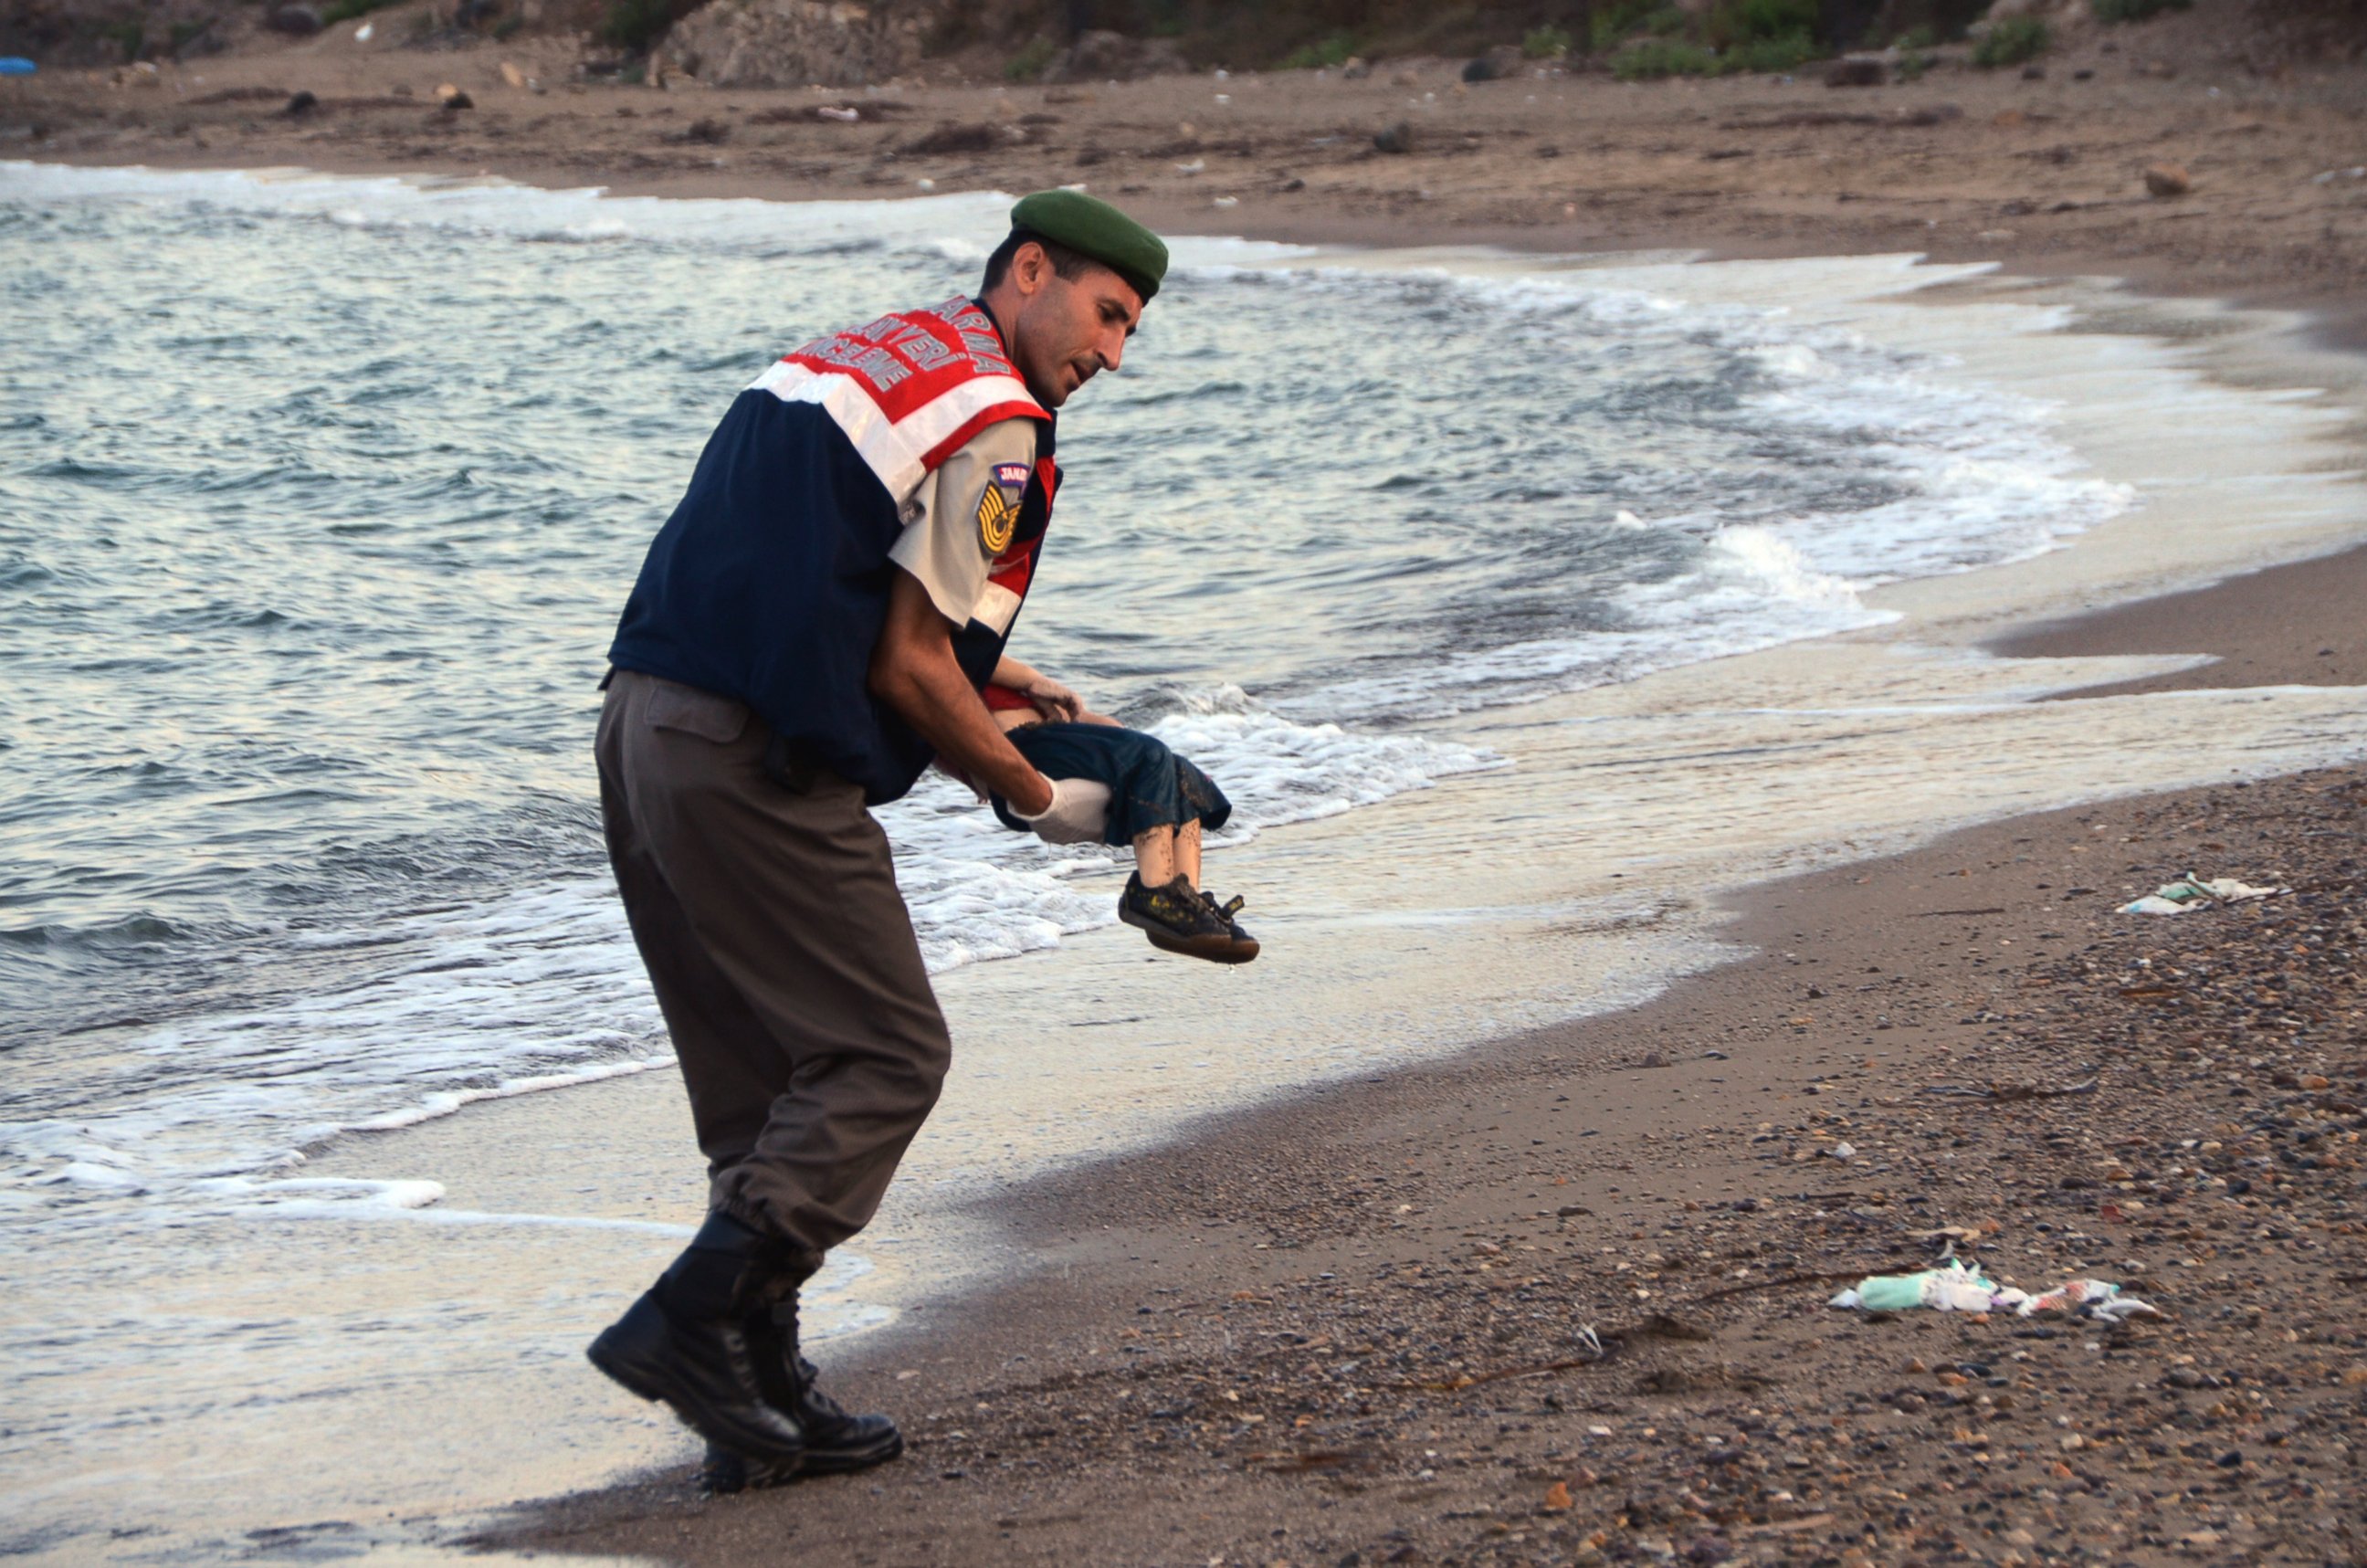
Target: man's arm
(913, 671)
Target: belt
(791, 764)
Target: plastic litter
(1954, 1289)
(1959, 1289)
(2191, 891)
(2088, 1298)
(16, 66)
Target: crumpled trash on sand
(2191, 891)
(1957, 1289)
(1954, 1289)
(2088, 1298)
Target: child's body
(1160, 802)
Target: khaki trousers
(783, 958)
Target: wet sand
(1345, 1328)
(2304, 623)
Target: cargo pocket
(673, 706)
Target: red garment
(910, 390)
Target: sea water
(317, 501)
(313, 534)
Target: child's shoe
(1179, 920)
(1247, 944)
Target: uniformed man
(811, 627)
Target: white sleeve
(954, 519)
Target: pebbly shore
(1563, 1299)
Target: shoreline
(1339, 1324)
(2040, 175)
(1253, 1344)
(2293, 615)
(1117, 1292)
(2333, 315)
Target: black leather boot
(835, 1442)
(686, 1342)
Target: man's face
(1066, 331)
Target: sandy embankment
(2044, 176)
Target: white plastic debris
(1954, 1289)
(1959, 1289)
(2088, 1298)
(2191, 891)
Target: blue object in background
(16, 66)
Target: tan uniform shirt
(944, 544)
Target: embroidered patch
(998, 519)
(1011, 476)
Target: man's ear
(1028, 265)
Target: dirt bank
(2044, 176)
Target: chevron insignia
(998, 519)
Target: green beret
(1095, 229)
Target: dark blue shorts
(1149, 786)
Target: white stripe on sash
(894, 452)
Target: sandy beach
(1341, 1329)
(1344, 1327)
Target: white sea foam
(450, 1008)
(583, 215)
(1982, 478)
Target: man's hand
(1078, 815)
(913, 671)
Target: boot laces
(808, 1376)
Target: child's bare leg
(1187, 852)
(1154, 855)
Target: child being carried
(1159, 803)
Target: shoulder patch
(997, 506)
(998, 519)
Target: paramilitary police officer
(811, 627)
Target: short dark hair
(1066, 263)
